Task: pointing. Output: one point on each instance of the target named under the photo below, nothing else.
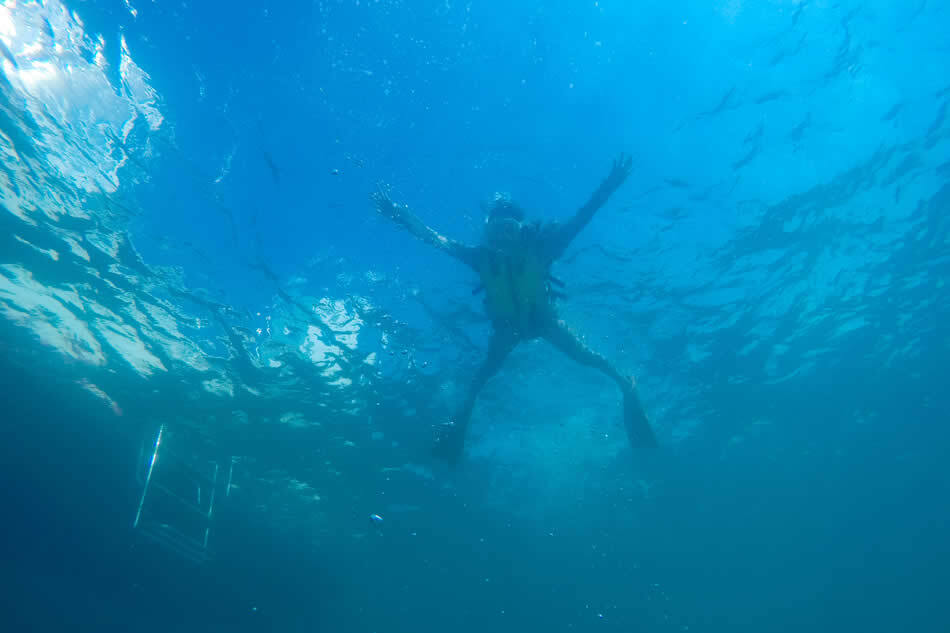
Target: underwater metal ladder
(176, 507)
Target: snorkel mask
(503, 222)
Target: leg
(451, 436)
(635, 420)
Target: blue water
(187, 244)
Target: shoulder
(539, 230)
(474, 256)
(549, 237)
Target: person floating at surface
(514, 265)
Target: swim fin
(639, 431)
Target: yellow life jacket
(517, 290)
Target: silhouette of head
(503, 222)
(503, 207)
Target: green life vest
(517, 291)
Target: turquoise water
(188, 247)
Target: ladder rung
(171, 538)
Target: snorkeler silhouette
(514, 264)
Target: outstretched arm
(401, 215)
(564, 233)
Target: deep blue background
(791, 174)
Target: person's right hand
(385, 205)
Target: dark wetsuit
(520, 302)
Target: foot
(639, 431)
(448, 442)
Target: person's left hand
(619, 172)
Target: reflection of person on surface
(514, 264)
